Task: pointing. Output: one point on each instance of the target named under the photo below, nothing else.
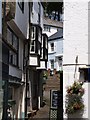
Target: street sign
(54, 104)
(54, 99)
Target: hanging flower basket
(74, 102)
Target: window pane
(10, 57)
(13, 58)
(39, 12)
(46, 43)
(33, 33)
(45, 54)
(15, 42)
(42, 53)
(26, 50)
(39, 36)
(52, 64)
(12, 39)
(39, 51)
(32, 46)
(52, 46)
(9, 36)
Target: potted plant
(74, 101)
(45, 76)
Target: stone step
(52, 88)
(52, 83)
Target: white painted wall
(34, 14)
(58, 51)
(89, 56)
(22, 19)
(75, 43)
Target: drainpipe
(30, 85)
(26, 95)
(5, 95)
(4, 14)
(27, 69)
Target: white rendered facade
(76, 45)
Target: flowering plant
(76, 89)
(74, 95)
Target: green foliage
(55, 7)
(45, 75)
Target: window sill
(53, 52)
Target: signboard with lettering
(54, 99)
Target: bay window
(35, 45)
(36, 38)
(44, 47)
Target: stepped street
(52, 83)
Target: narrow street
(44, 111)
(51, 84)
(44, 60)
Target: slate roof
(47, 21)
(57, 35)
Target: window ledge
(53, 52)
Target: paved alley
(44, 111)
